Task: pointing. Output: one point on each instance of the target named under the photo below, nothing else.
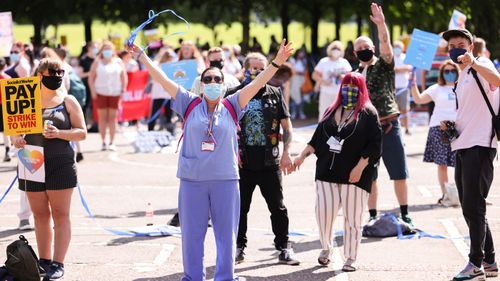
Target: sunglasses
(209, 79)
(14, 52)
(448, 71)
(54, 72)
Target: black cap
(458, 33)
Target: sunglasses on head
(448, 71)
(54, 72)
(209, 79)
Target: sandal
(348, 267)
(324, 257)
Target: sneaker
(25, 225)
(348, 266)
(287, 256)
(371, 219)
(79, 157)
(104, 147)
(491, 270)
(407, 219)
(324, 257)
(470, 273)
(112, 147)
(6, 158)
(175, 221)
(55, 272)
(240, 255)
(43, 266)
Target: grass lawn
(228, 34)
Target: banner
(135, 104)
(181, 72)
(31, 163)
(6, 34)
(22, 106)
(422, 48)
(457, 20)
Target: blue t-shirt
(198, 165)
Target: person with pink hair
(347, 143)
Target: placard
(457, 20)
(6, 34)
(31, 165)
(422, 48)
(182, 72)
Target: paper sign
(422, 48)
(31, 165)
(22, 106)
(6, 34)
(457, 20)
(182, 72)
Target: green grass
(228, 34)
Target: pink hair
(358, 80)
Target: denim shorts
(393, 153)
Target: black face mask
(217, 63)
(52, 82)
(365, 55)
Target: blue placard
(422, 48)
(181, 72)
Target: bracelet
(275, 64)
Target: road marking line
(164, 254)
(453, 231)
(425, 191)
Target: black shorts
(60, 173)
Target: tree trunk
(87, 22)
(285, 18)
(37, 30)
(391, 31)
(246, 5)
(359, 23)
(316, 15)
(338, 19)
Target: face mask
(442, 43)
(450, 77)
(349, 97)
(335, 53)
(455, 53)
(217, 63)
(397, 51)
(107, 54)
(213, 91)
(365, 55)
(14, 57)
(95, 51)
(227, 54)
(250, 76)
(52, 82)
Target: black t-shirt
(255, 132)
(362, 138)
(86, 63)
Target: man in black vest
(260, 162)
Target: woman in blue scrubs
(208, 163)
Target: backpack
(77, 88)
(196, 102)
(386, 226)
(22, 262)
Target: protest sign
(31, 163)
(6, 34)
(22, 106)
(135, 104)
(422, 48)
(457, 20)
(181, 72)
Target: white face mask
(335, 53)
(227, 54)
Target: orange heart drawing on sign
(31, 159)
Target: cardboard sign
(6, 34)
(422, 48)
(21, 106)
(457, 20)
(181, 72)
(31, 163)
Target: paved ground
(118, 186)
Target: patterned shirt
(380, 84)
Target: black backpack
(22, 262)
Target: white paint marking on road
(115, 158)
(453, 231)
(165, 252)
(424, 191)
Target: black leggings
(157, 103)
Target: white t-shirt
(108, 80)
(445, 105)
(329, 68)
(473, 117)
(402, 77)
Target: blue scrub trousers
(220, 199)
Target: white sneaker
(112, 147)
(25, 225)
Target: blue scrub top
(198, 165)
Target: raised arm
(250, 90)
(419, 98)
(156, 73)
(378, 19)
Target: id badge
(208, 146)
(335, 145)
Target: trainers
(6, 158)
(240, 255)
(175, 221)
(407, 219)
(287, 256)
(112, 147)
(470, 273)
(79, 157)
(25, 225)
(43, 266)
(55, 272)
(491, 270)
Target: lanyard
(342, 126)
(211, 124)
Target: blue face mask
(450, 77)
(107, 54)
(14, 57)
(455, 53)
(213, 91)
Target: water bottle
(149, 213)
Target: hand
(134, 50)
(443, 126)
(413, 79)
(355, 174)
(286, 164)
(377, 16)
(19, 142)
(285, 51)
(297, 162)
(466, 59)
(51, 132)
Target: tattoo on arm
(287, 139)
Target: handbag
(307, 86)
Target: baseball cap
(458, 33)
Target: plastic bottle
(149, 213)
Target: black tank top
(12, 71)
(53, 147)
